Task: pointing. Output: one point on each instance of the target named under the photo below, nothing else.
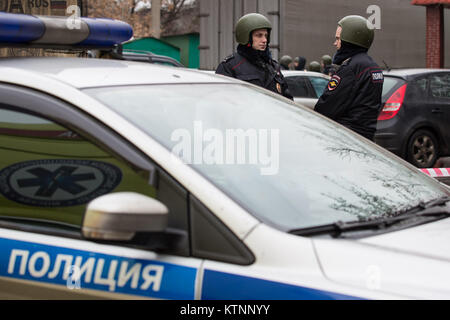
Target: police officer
(285, 62)
(353, 95)
(326, 64)
(253, 61)
(299, 63)
(314, 66)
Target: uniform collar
(254, 55)
(346, 51)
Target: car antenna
(387, 67)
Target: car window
(440, 85)
(417, 89)
(298, 86)
(319, 85)
(389, 85)
(422, 84)
(48, 174)
(304, 170)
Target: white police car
(122, 180)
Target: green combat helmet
(248, 23)
(326, 59)
(314, 66)
(357, 30)
(285, 61)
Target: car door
(301, 90)
(440, 105)
(53, 163)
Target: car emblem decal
(334, 82)
(58, 182)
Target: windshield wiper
(424, 205)
(414, 215)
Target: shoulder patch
(377, 76)
(334, 82)
(231, 56)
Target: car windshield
(287, 165)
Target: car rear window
(389, 85)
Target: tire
(423, 149)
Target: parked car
(147, 56)
(415, 120)
(119, 53)
(306, 86)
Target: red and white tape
(437, 172)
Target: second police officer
(253, 61)
(353, 95)
(314, 66)
(327, 66)
(285, 62)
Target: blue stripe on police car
(222, 285)
(56, 265)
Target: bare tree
(171, 11)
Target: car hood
(411, 263)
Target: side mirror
(119, 216)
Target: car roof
(88, 72)
(412, 71)
(147, 56)
(303, 73)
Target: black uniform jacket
(264, 74)
(353, 95)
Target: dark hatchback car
(415, 120)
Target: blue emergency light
(21, 29)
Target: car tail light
(393, 104)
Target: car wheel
(422, 149)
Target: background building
(307, 27)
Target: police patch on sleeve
(377, 76)
(334, 82)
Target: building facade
(307, 28)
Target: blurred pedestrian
(253, 60)
(299, 63)
(285, 62)
(314, 66)
(353, 95)
(327, 66)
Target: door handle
(437, 110)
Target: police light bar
(54, 31)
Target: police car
(120, 179)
